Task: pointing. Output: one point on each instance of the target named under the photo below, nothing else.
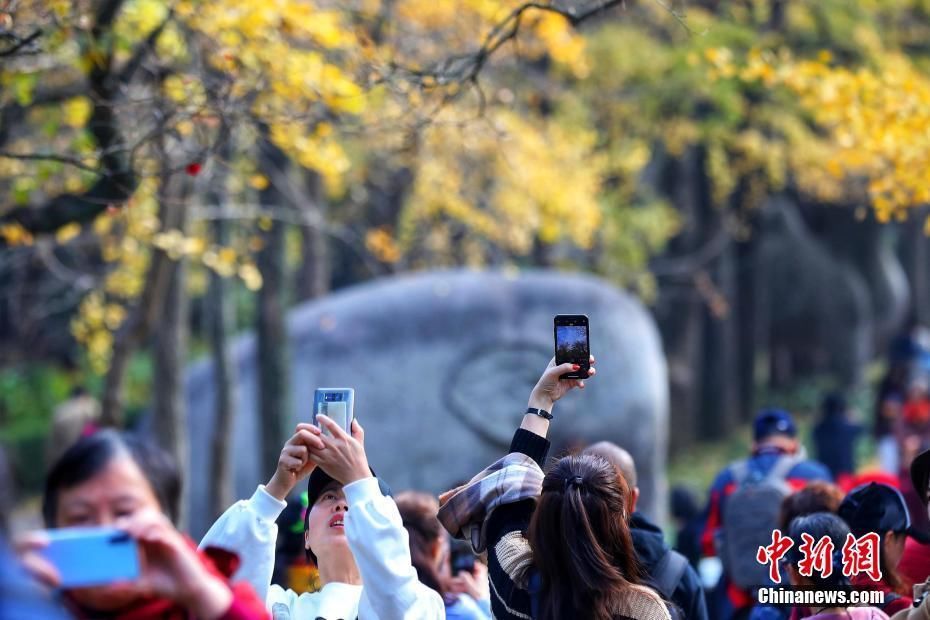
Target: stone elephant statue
(442, 364)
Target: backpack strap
(740, 471)
(534, 588)
(783, 467)
(668, 572)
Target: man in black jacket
(669, 571)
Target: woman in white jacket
(352, 530)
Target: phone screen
(571, 344)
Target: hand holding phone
(572, 344)
(552, 386)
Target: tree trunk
(144, 315)
(271, 328)
(916, 259)
(719, 400)
(169, 421)
(778, 12)
(679, 309)
(747, 319)
(313, 276)
(220, 315)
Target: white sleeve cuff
(265, 505)
(362, 491)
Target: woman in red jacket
(112, 479)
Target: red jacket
(245, 604)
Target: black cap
(319, 480)
(879, 508)
(770, 422)
(920, 475)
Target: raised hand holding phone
(295, 462)
(572, 344)
(343, 455)
(549, 389)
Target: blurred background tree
(175, 172)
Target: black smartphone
(572, 344)
(462, 557)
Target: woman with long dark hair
(581, 543)
(576, 559)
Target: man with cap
(920, 478)
(362, 554)
(775, 447)
(880, 508)
(669, 572)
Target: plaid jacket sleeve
(493, 511)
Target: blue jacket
(20, 597)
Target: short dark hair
(91, 454)
(818, 525)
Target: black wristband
(540, 412)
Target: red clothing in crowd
(915, 563)
(245, 604)
(893, 601)
(916, 412)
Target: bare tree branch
(466, 67)
(18, 43)
(119, 179)
(143, 50)
(71, 161)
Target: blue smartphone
(336, 403)
(92, 556)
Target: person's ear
(634, 499)
(306, 539)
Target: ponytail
(581, 543)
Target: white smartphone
(335, 403)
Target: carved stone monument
(442, 364)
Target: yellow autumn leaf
(250, 276)
(76, 111)
(258, 182)
(67, 232)
(381, 244)
(15, 234)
